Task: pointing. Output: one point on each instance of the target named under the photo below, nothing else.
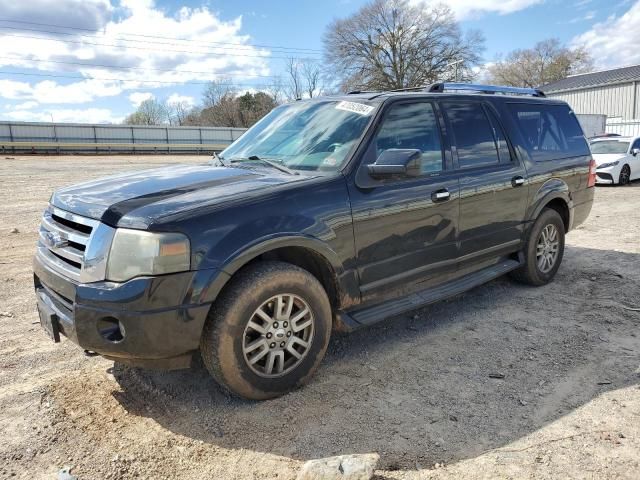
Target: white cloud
(468, 8)
(137, 98)
(182, 99)
(25, 105)
(199, 46)
(88, 115)
(614, 42)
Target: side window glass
(636, 144)
(473, 134)
(413, 126)
(501, 140)
(549, 131)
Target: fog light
(111, 329)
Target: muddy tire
(268, 331)
(543, 250)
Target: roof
(595, 79)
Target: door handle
(440, 195)
(517, 181)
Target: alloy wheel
(547, 248)
(278, 335)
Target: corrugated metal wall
(81, 138)
(630, 128)
(613, 101)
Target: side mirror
(635, 152)
(404, 162)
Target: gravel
(503, 381)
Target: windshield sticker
(359, 108)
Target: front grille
(63, 241)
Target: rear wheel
(543, 250)
(625, 175)
(268, 331)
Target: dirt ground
(417, 389)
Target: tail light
(591, 182)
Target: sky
(96, 60)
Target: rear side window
(474, 135)
(550, 131)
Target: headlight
(607, 165)
(135, 252)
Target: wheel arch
(307, 253)
(553, 194)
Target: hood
(601, 158)
(138, 199)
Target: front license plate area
(49, 321)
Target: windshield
(314, 135)
(609, 146)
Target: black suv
(332, 213)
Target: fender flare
(246, 253)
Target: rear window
(550, 131)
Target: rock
(65, 474)
(342, 467)
(6, 314)
(15, 230)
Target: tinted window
(473, 134)
(414, 126)
(550, 131)
(500, 138)
(636, 144)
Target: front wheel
(625, 175)
(268, 331)
(543, 250)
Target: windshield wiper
(218, 160)
(276, 165)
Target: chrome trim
(94, 268)
(51, 225)
(53, 262)
(53, 240)
(89, 222)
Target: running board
(374, 314)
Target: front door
(406, 228)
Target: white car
(617, 159)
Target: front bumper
(157, 321)
(605, 177)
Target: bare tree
(216, 90)
(546, 62)
(391, 44)
(312, 76)
(295, 82)
(149, 112)
(178, 112)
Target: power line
(244, 45)
(175, 82)
(84, 42)
(97, 65)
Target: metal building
(614, 93)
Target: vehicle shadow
(441, 384)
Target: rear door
(406, 229)
(493, 183)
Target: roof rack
(490, 89)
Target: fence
(27, 137)
(626, 128)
